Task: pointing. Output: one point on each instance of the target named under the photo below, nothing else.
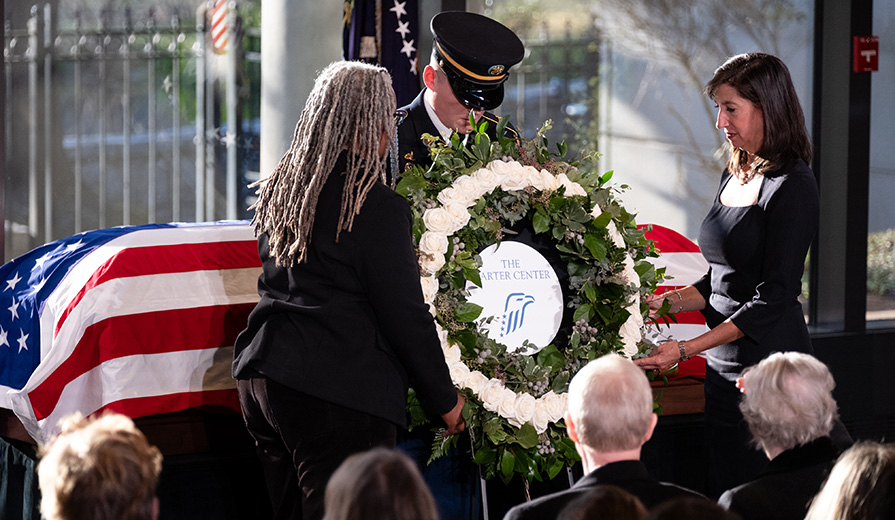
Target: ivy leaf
(561, 382)
(468, 312)
(540, 221)
(550, 356)
(583, 312)
(558, 233)
(554, 468)
(507, 463)
(596, 247)
(473, 276)
(602, 220)
(409, 183)
(527, 436)
(590, 292)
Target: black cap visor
(474, 95)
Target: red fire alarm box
(866, 54)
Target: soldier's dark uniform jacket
(413, 121)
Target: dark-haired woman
(755, 239)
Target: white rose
(429, 285)
(437, 220)
(476, 382)
(516, 178)
(432, 310)
(430, 264)
(459, 372)
(433, 243)
(550, 181)
(486, 180)
(541, 417)
(554, 406)
(442, 335)
(525, 409)
(448, 196)
(572, 188)
(630, 331)
(451, 353)
(459, 215)
(467, 189)
(507, 406)
(501, 169)
(491, 394)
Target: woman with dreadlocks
(341, 328)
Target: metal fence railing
(133, 120)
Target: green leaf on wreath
(596, 247)
(590, 292)
(583, 312)
(550, 356)
(466, 337)
(554, 468)
(540, 221)
(602, 220)
(409, 183)
(606, 176)
(507, 463)
(527, 437)
(472, 275)
(484, 455)
(468, 312)
(559, 233)
(561, 382)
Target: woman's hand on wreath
(454, 419)
(661, 358)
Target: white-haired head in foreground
(611, 405)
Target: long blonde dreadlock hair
(351, 104)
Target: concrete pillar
(299, 39)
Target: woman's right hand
(454, 419)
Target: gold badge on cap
(496, 70)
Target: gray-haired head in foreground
(788, 400)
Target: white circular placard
(522, 294)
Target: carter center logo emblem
(514, 312)
(520, 293)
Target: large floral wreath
(463, 203)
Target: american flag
(683, 264)
(137, 319)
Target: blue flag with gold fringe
(386, 33)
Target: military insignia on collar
(409, 156)
(496, 70)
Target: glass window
(635, 94)
(881, 238)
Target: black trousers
(731, 458)
(301, 440)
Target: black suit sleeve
(387, 267)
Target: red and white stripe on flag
(144, 325)
(219, 19)
(683, 264)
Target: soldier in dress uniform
(471, 59)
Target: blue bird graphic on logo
(514, 312)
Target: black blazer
(630, 475)
(785, 487)
(413, 121)
(349, 325)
